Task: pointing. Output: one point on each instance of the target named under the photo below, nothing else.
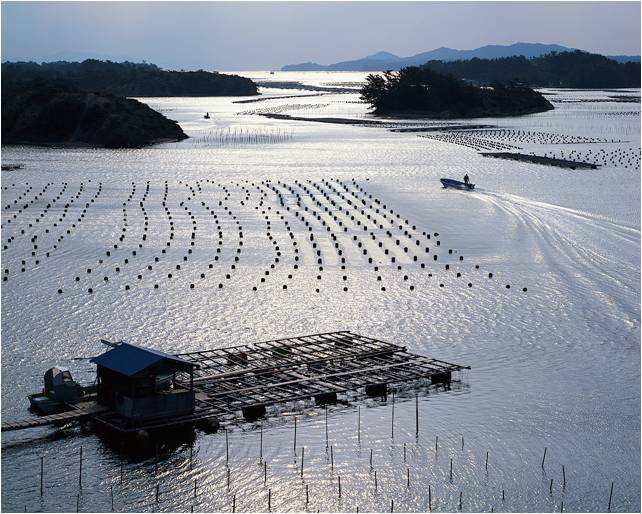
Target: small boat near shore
(12, 167)
(456, 184)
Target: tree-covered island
(57, 113)
(424, 92)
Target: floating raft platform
(246, 379)
(444, 128)
(538, 159)
(249, 378)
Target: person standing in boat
(466, 179)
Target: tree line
(131, 79)
(565, 69)
(421, 90)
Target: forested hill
(568, 69)
(54, 112)
(421, 91)
(132, 79)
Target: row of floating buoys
(532, 137)
(619, 158)
(34, 236)
(325, 215)
(476, 143)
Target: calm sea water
(555, 367)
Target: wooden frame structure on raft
(249, 378)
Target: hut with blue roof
(140, 383)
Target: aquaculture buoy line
(470, 141)
(503, 141)
(16, 219)
(312, 225)
(38, 239)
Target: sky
(268, 35)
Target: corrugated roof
(129, 359)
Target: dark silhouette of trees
(566, 69)
(132, 79)
(41, 111)
(420, 90)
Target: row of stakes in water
(242, 136)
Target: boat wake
(596, 257)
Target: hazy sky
(267, 35)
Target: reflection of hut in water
(140, 384)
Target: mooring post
(610, 497)
(269, 500)
(302, 459)
(436, 443)
(111, 494)
(392, 505)
(375, 473)
(451, 469)
(339, 477)
(462, 442)
(42, 472)
(227, 449)
(370, 458)
(404, 452)
(295, 435)
(503, 496)
(562, 506)
(307, 494)
(80, 470)
(429, 497)
(261, 445)
(228, 479)
(392, 421)
(331, 460)
(326, 427)
(265, 472)
(408, 482)
(191, 508)
(563, 477)
(234, 503)
(550, 487)
(195, 487)
(460, 494)
(77, 503)
(544, 458)
(416, 415)
(486, 460)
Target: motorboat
(456, 184)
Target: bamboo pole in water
(80, 470)
(302, 459)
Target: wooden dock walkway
(54, 419)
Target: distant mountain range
(387, 61)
